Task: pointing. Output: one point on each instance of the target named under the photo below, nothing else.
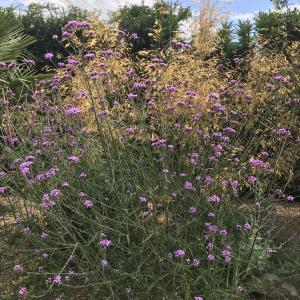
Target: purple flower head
(264, 154)
(252, 179)
(129, 130)
(132, 96)
(237, 60)
(2, 189)
(171, 88)
(121, 33)
(192, 210)
(105, 243)
(234, 184)
(179, 253)
(214, 96)
(88, 203)
(189, 186)
(18, 268)
(214, 199)
(218, 107)
(281, 78)
(55, 192)
(23, 292)
(89, 56)
(165, 171)
(72, 111)
(24, 167)
(290, 198)
(223, 232)
(103, 262)
(44, 235)
(229, 130)
(247, 226)
(134, 36)
(73, 159)
(198, 298)
(57, 280)
(208, 180)
(151, 103)
(12, 65)
(159, 143)
(283, 132)
(269, 250)
(224, 183)
(212, 227)
(66, 35)
(210, 258)
(29, 62)
(257, 163)
(142, 199)
(138, 85)
(196, 263)
(226, 254)
(48, 55)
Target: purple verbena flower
(23, 292)
(192, 210)
(105, 243)
(18, 268)
(189, 186)
(88, 203)
(48, 55)
(214, 199)
(104, 263)
(179, 253)
(73, 159)
(57, 280)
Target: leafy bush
(146, 179)
(151, 27)
(40, 22)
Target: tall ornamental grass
(145, 178)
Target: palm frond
(13, 41)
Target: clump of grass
(148, 178)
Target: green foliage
(155, 26)
(13, 40)
(279, 4)
(276, 31)
(225, 46)
(13, 44)
(234, 41)
(41, 22)
(244, 36)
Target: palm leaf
(13, 41)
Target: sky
(239, 9)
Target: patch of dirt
(287, 223)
